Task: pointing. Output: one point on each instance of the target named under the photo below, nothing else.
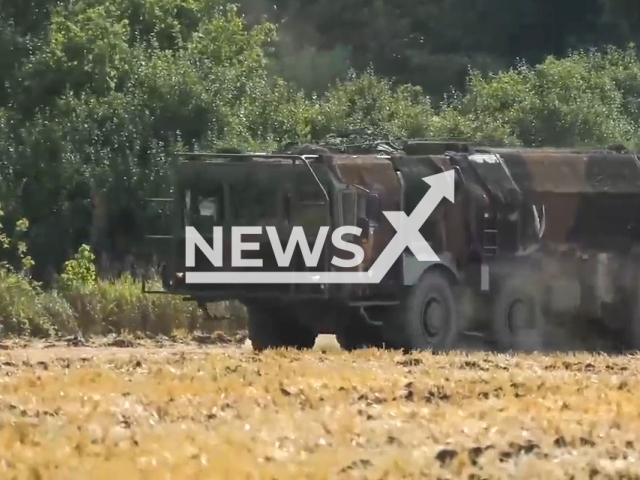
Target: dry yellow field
(188, 411)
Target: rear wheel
(428, 318)
(275, 327)
(517, 320)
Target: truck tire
(428, 317)
(357, 334)
(271, 328)
(517, 321)
(631, 328)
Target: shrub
(81, 302)
(22, 302)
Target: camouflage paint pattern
(376, 175)
(588, 199)
(591, 200)
(446, 229)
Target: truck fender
(412, 268)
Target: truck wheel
(631, 329)
(517, 320)
(356, 333)
(271, 328)
(428, 318)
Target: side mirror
(373, 208)
(363, 224)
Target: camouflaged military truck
(535, 242)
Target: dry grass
(225, 412)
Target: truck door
(360, 208)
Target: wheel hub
(433, 317)
(517, 316)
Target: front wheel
(356, 333)
(428, 318)
(271, 327)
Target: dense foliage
(95, 95)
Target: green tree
(587, 98)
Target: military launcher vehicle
(535, 242)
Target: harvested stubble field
(221, 411)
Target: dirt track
(221, 411)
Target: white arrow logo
(408, 235)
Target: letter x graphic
(407, 227)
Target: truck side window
(208, 208)
(202, 209)
(207, 213)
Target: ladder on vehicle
(490, 235)
(489, 247)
